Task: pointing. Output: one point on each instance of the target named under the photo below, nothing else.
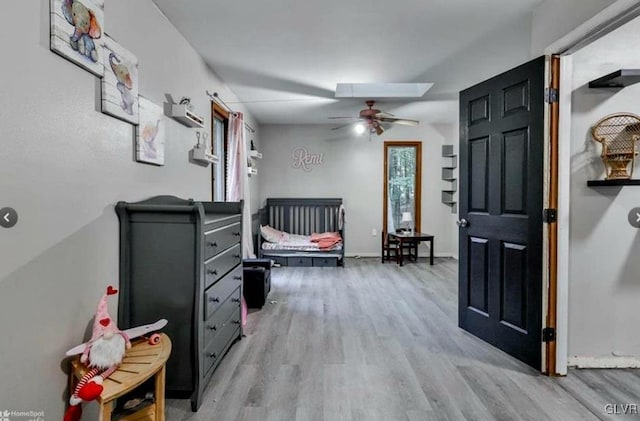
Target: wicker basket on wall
(618, 133)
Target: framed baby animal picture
(120, 82)
(150, 133)
(77, 32)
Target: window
(219, 129)
(402, 185)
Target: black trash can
(256, 281)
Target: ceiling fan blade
(342, 126)
(403, 121)
(382, 114)
(352, 118)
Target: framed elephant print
(150, 133)
(77, 32)
(120, 82)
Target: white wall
(63, 166)
(505, 47)
(604, 288)
(353, 170)
(553, 19)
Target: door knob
(462, 223)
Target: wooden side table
(140, 363)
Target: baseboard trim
(378, 255)
(604, 362)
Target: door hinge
(549, 216)
(548, 334)
(550, 95)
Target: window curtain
(391, 225)
(238, 178)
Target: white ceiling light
(360, 128)
(382, 90)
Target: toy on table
(102, 354)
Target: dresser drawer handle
(236, 234)
(212, 355)
(235, 300)
(238, 278)
(236, 322)
(237, 256)
(212, 271)
(212, 327)
(214, 299)
(213, 244)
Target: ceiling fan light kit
(371, 119)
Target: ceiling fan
(371, 120)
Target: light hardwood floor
(381, 342)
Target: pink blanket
(326, 240)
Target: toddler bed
(302, 232)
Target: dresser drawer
(213, 352)
(213, 326)
(220, 239)
(282, 261)
(300, 261)
(220, 291)
(325, 261)
(217, 267)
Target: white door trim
(564, 192)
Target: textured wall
(63, 166)
(604, 288)
(553, 19)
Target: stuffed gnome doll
(102, 355)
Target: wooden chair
(390, 248)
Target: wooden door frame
(217, 111)
(550, 321)
(418, 198)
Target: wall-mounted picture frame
(77, 32)
(150, 133)
(120, 82)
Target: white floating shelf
(255, 154)
(202, 154)
(190, 119)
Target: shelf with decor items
(202, 150)
(448, 176)
(184, 115)
(202, 153)
(253, 156)
(607, 183)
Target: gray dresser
(181, 260)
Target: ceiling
(283, 58)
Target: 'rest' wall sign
(305, 160)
